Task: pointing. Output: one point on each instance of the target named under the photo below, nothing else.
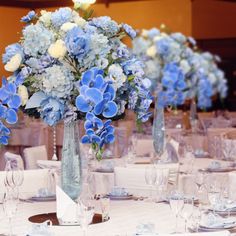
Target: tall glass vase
(158, 131)
(193, 117)
(71, 176)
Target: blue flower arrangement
(67, 68)
(178, 69)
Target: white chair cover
(15, 160)
(132, 177)
(33, 154)
(33, 181)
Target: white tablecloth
(124, 217)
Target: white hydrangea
(45, 17)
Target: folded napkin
(214, 165)
(226, 206)
(116, 191)
(145, 229)
(42, 229)
(44, 192)
(66, 208)
(215, 221)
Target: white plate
(125, 197)
(43, 199)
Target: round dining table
(125, 216)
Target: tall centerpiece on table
(69, 68)
(178, 72)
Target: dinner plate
(218, 170)
(125, 197)
(104, 170)
(43, 199)
(217, 228)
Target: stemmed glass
(176, 202)
(199, 179)
(227, 148)
(105, 207)
(150, 179)
(187, 211)
(162, 182)
(10, 203)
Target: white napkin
(215, 221)
(66, 208)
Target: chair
(41, 177)
(33, 154)
(15, 159)
(132, 177)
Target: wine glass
(85, 217)
(105, 207)
(10, 203)
(150, 179)
(187, 211)
(162, 178)
(199, 179)
(176, 202)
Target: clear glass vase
(71, 171)
(193, 117)
(158, 131)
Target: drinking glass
(18, 177)
(199, 179)
(85, 217)
(196, 218)
(187, 211)
(10, 202)
(176, 202)
(105, 207)
(150, 179)
(162, 178)
(214, 198)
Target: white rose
(144, 33)
(58, 49)
(68, 26)
(185, 66)
(45, 17)
(80, 21)
(14, 63)
(23, 93)
(151, 51)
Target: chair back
(33, 154)
(15, 160)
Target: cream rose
(23, 93)
(68, 26)
(58, 49)
(151, 51)
(80, 21)
(14, 63)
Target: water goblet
(150, 179)
(187, 211)
(105, 207)
(10, 203)
(176, 202)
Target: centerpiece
(178, 72)
(70, 68)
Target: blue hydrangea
(77, 42)
(133, 67)
(52, 110)
(105, 25)
(29, 17)
(37, 40)
(38, 65)
(152, 33)
(57, 81)
(204, 93)
(61, 16)
(129, 30)
(179, 37)
(11, 51)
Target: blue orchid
(92, 122)
(8, 114)
(4, 134)
(9, 96)
(29, 17)
(88, 98)
(93, 78)
(91, 137)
